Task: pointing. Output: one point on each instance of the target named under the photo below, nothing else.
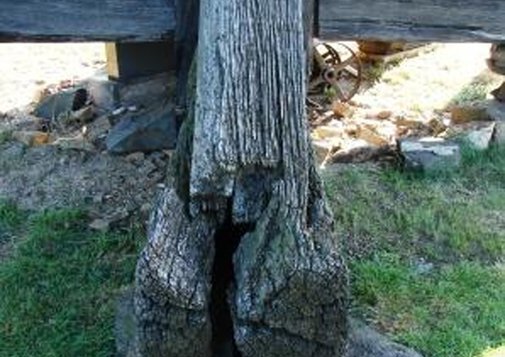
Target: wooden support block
(127, 61)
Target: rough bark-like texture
(413, 20)
(251, 147)
(173, 283)
(250, 100)
(290, 298)
(246, 166)
(90, 20)
(186, 37)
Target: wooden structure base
(128, 61)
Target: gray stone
(144, 131)
(496, 111)
(101, 225)
(429, 154)
(480, 138)
(365, 342)
(54, 105)
(422, 267)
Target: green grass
(471, 93)
(60, 281)
(59, 285)
(453, 220)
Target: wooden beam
(127, 61)
(86, 20)
(413, 20)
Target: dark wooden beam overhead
(413, 20)
(86, 20)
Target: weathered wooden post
(241, 255)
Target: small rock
(52, 106)
(73, 143)
(429, 154)
(358, 151)
(412, 124)
(467, 113)
(385, 114)
(365, 342)
(342, 110)
(144, 131)
(422, 267)
(371, 137)
(382, 115)
(480, 138)
(101, 225)
(327, 132)
(31, 138)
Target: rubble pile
(97, 115)
(417, 136)
(353, 133)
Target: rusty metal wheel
(336, 73)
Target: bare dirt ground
(429, 82)
(29, 68)
(42, 177)
(45, 177)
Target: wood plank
(128, 61)
(86, 20)
(413, 20)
